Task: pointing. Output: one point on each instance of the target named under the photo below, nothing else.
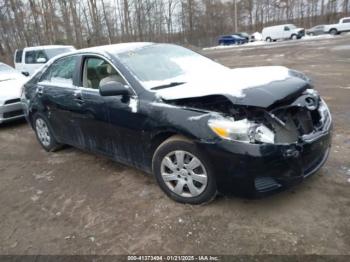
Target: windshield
(292, 26)
(52, 52)
(163, 64)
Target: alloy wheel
(184, 174)
(43, 132)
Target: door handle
(78, 97)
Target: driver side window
(98, 71)
(286, 28)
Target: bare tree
(190, 22)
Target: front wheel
(294, 37)
(268, 39)
(44, 134)
(183, 172)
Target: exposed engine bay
(289, 119)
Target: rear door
(57, 92)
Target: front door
(286, 32)
(109, 125)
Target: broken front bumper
(260, 168)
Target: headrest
(91, 73)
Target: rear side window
(18, 57)
(35, 57)
(347, 20)
(61, 72)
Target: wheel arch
(161, 137)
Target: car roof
(115, 48)
(279, 25)
(40, 47)
(105, 50)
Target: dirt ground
(71, 202)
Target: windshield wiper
(167, 85)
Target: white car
(11, 83)
(282, 32)
(28, 60)
(341, 27)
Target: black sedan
(199, 127)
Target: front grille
(13, 114)
(294, 122)
(12, 101)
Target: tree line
(85, 23)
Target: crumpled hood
(253, 86)
(11, 88)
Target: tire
(311, 34)
(44, 133)
(185, 184)
(268, 39)
(333, 31)
(294, 37)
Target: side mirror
(25, 73)
(41, 60)
(114, 88)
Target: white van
(28, 60)
(281, 32)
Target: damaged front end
(274, 146)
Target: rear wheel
(183, 172)
(44, 133)
(268, 39)
(333, 31)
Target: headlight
(241, 130)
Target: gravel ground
(72, 202)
